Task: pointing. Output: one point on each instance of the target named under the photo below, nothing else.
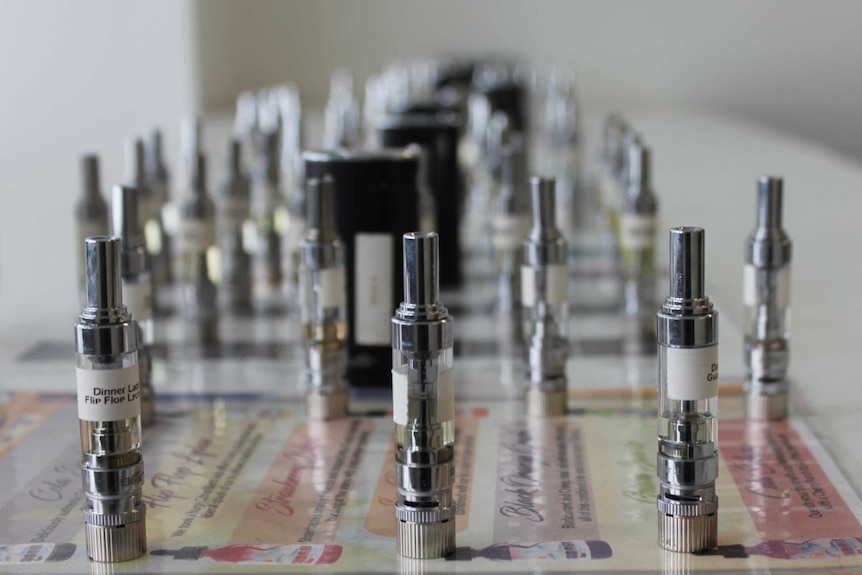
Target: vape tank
(91, 214)
(766, 295)
(109, 410)
(423, 404)
(544, 297)
(687, 334)
(233, 212)
(637, 227)
(137, 287)
(323, 301)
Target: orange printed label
(381, 516)
(303, 496)
(783, 485)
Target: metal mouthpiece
(544, 203)
(421, 269)
(124, 216)
(154, 152)
(513, 165)
(769, 200)
(190, 136)
(687, 263)
(320, 212)
(199, 174)
(234, 157)
(104, 281)
(134, 161)
(90, 175)
(639, 165)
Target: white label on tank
(373, 304)
(749, 285)
(139, 299)
(399, 398)
(556, 285)
(692, 373)
(108, 394)
(528, 286)
(750, 291)
(198, 235)
(509, 231)
(445, 397)
(332, 287)
(637, 231)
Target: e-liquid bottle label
(373, 302)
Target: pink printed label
(784, 487)
(303, 496)
(543, 486)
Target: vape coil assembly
(323, 306)
(137, 287)
(423, 394)
(109, 410)
(687, 327)
(544, 297)
(766, 296)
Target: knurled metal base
(687, 534)
(109, 544)
(326, 407)
(766, 407)
(426, 540)
(541, 403)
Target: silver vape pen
(766, 295)
(234, 212)
(109, 410)
(270, 215)
(341, 123)
(637, 223)
(323, 301)
(544, 296)
(423, 394)
(137, 287)
(158, 237)
(510, 224)
(198, 237)
(687, 334)
(91, 214)
(136, 177)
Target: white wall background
(84, 76)
(77, 77)
(793, 65)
